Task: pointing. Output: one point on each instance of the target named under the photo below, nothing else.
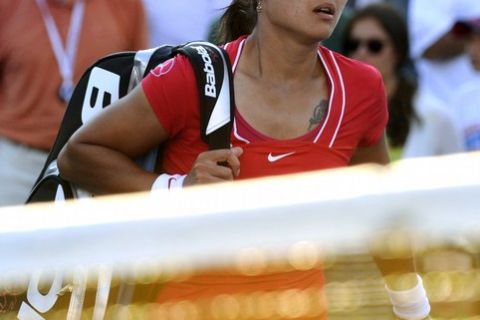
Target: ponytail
(239, 19)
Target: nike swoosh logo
(272, 158)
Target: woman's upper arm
(376, 153)
(129, 126)
(372, 147)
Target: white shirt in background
(179, 21)
(437, 132)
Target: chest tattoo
(318, 114)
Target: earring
(259, 6)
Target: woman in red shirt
(299, 107)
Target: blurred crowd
(427, 53)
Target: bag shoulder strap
(213, 73)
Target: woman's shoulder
(179, 66)
(173, 75)
(234, 47)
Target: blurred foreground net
(296, 247)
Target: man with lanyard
(45, 46)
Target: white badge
(65, 56)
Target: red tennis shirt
(356, 116)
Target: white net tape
(103, 253)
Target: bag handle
(213, 72)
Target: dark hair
(239, 19)
(401, 112)
(400, 107)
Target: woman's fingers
(233, 161)
(207, 168)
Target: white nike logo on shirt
(273, 158)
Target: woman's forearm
(101, 170)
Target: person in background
(443, 67)
(335, 41)
(440, 57)
(459, 253)
(178, 21)
(377, 35)
(45, 46)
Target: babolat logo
(210, 89)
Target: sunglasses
(374, 46)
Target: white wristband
(411, 304)
(168, 181)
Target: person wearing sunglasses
(378, 35)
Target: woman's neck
(282, 61)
